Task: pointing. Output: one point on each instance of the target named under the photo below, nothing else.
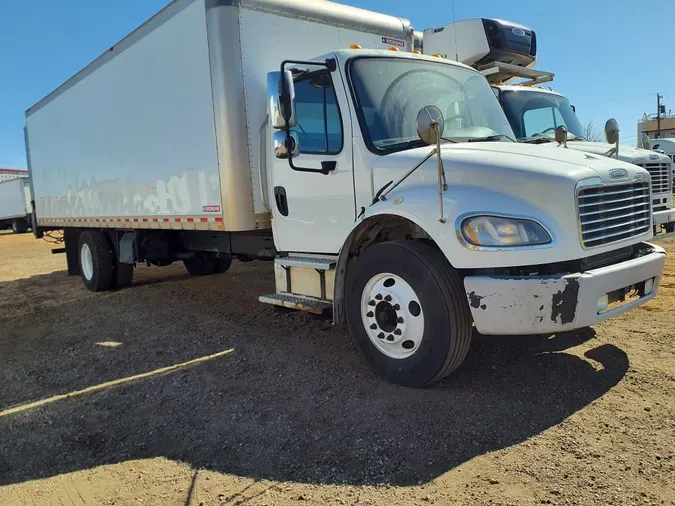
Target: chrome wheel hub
(392, 315)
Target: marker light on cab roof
(355, 46)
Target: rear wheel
(96, 261)
(201, 265)
(19, 226)
(223, 264)
(407, 312)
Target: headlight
(504, 232)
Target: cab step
(300, 302)
(317, 263)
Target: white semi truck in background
(504, 52)
(382, 183)
(15, 204)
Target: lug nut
(369, 314)
(387, 298)
(380, 335)
(400, 319)
(390, 337)
(398, 332)
(373, 326)
(372, 303)
(378, 296)
(396, 307)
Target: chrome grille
(661, 176)
(611, 213)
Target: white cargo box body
(14, 198)
(164, 129)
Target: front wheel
(407, 312)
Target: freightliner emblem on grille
(618, 173)
(641, 178)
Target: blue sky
(600, 50)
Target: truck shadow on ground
(291, 401)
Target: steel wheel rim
(392, 315)
(86, 261)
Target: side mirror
(282, 108)
(280, 146)
(645, 141)
(287, 98)
(612, 131)
(561, 135)
(430, 124)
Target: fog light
(603, 302)
(649, 285)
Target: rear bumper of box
(544, 304)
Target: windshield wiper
(536, 140)
(490, 138)
(449, 140)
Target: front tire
(407, 312)
(96, 261)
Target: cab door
(314, 210)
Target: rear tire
(96, 261)
(20, 226)
(408, 313)
(201, 265)
(223, 264)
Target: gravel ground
(188, 391)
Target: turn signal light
(355, 46)
(393, 48)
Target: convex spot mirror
(611, 131)
(280, 146)
(430, 124)
(561, 134)
(645, 141)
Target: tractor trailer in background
(506, 52)
(15, 204)
(383, 184)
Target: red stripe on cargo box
(203, 220)
(126, 220)
(219, 220)
(165, 220)
(190, 220)
(177, 220)
(145, 220)
(155, 220)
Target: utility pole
(658, 115)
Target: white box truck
(243, 129)
(505, 52)
(15, 205)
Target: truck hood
(628, 154)
(470, 162)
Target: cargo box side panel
(12, 203)
(268, 38)
(133, 136)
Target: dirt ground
(181, 391)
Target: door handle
(281, 200)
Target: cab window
(318, 122)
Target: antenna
(454, 30)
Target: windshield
(390, 92)
(535, 115)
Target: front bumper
(663, 217)
(544, 304)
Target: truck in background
(15, 205)
(382, 183)
(505, 52)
